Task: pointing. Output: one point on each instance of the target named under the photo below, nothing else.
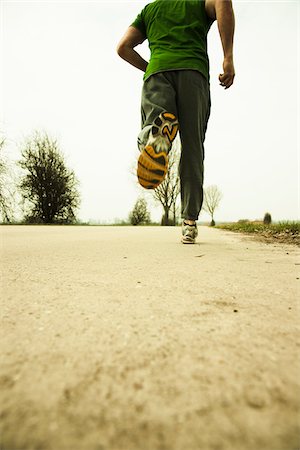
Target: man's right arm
(222, 11)
(125, 48)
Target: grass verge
(282, 232)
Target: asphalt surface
(122, 338)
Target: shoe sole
(187, 241)
(165, 125)
(152, 166)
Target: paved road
(121, 338)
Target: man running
(176, 91)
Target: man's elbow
(120, 49)
(124, 51)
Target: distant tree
(212, 198)
(267, 219)
(167, 192)
(140, 213)
(49, 189)
(6, 197)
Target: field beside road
(282, 232)
(122, 338)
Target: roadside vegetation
(283, 232)
(6, 189)
(48, 187)
(140, 214)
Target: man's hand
(226, 78)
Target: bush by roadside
(283, 232)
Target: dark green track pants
(186, 94)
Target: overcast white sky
(60, 73)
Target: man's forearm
(226, 24)
(132, 57)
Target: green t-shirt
(177, 34)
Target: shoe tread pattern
(152, 168)
(153, 161)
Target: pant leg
(158, 95)
(193, 103)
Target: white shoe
(163, 132)
(189, 233)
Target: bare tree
(167, 192)
(49, 188)
(212, 198)
(6, 197)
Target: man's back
(176, 31)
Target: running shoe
(189, 233)
(153, 161)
